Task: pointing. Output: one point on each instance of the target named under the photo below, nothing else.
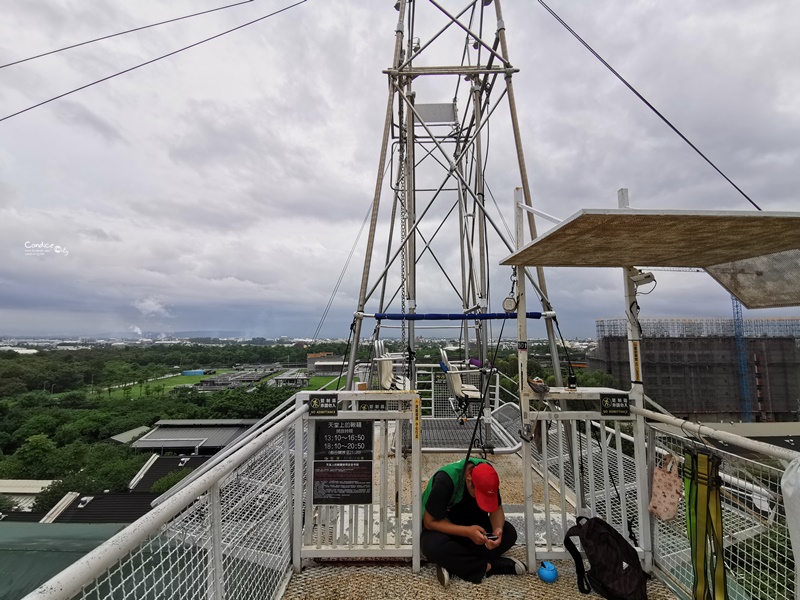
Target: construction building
(691, 366)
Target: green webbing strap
(702, 590)
(704, 525)
(715, 517)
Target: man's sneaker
(505, 565)
(443, 576)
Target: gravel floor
(364, 581)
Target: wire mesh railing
(758, 554)
(594, 474)
(226, 534)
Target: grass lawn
(168, 383)
(318, 382)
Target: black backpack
(615, 571)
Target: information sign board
(342, 482)
(343, 462)
(343, 440)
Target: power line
(643, 99)
(105, 37)
(83, 87)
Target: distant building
(18, 350)
(192, 436)
(325, 363)
(291, 379)
(23, 492)
(690, 366)
(330, 368)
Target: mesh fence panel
(758, 555)
(177, 562)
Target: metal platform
(449, 435)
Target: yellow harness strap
(704, 525)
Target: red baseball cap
(486, 483)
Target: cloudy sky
(222, 188)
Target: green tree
(169, 480)
(12, 386)
(41, 423)
(36, 456)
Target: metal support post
(299, 474)
(524, 394)
(416, 488)
(387, 131)
(218, 575)
(637, 395)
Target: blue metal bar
(451, 316)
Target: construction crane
(741, 360)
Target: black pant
(460, 555)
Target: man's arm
(474, 532)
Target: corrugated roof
(122, 507)
(31, 553)
(205, 422)
(23, 486)
(23, 502)
(23, 492)
(165, 465)
(189, 437)
(23, 516)
(131, 434)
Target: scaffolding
(692, 328)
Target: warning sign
(615, 405)
(323, 405)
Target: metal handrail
(724, 436)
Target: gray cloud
(75, 113)
(246, 165)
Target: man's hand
(477, 534)
(492, 544)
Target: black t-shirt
(465, 512)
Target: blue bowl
(547, 572)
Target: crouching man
(464, 528)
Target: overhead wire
(208, 39)
(341, 276)
(344, 269)
(106, 37)
(643, 99)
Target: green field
(318, 382)
(118, 393)
(168, 383)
